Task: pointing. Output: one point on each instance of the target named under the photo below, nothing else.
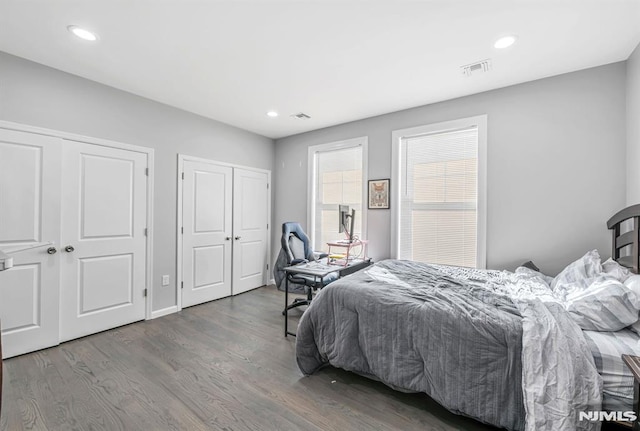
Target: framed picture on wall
(379, 194)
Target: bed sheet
(607, 349)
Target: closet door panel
(206, 232)
(105, 282)
(107, 206)
(250, 219)
(103, 260)
(29, 218)
(20, 187)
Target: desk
(349, 245)
(317, 270)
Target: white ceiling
(336, 61)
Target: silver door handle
(52, 250)
(238, 237)
(69, 249)
(227, 238)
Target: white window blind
(439, 197)
(338, 181)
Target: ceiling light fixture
(272, 114)
(505, 42)
(83, 33)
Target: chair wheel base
(296, 303)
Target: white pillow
(605, 305)
(633, 283)
(577, 275)
(616, 270)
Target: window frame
(362, 141)
(479, 121)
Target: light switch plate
(165, 280)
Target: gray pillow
(529, 264)
(527, 271)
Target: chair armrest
(319, 255)
(297, 261)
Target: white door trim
(181, 159)
(150, 181)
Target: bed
(515, 350)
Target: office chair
(296, 249)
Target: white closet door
(29, 215)
(103, 255)
(250, 219)
(206, 238)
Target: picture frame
(378, 196)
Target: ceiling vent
(476, 68)
(301, 116)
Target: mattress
(607, 349)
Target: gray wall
(633, 128)
(40, 96)
(556, 162)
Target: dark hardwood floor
(224, 365)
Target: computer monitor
(343, 218)
(347, 221)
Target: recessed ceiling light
(82, 33)
(272, 114)
(505, 42)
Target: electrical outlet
(165, 280)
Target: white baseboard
(163, 312)
(271, 281)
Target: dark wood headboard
(628, 238)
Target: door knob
(51, 250)
(238, 237)
(227, 238)
(69, 249)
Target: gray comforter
(457, 335)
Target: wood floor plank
(221, 365)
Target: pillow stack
(599, 297)
(594, 294)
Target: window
(336, 177)
(439, 208)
